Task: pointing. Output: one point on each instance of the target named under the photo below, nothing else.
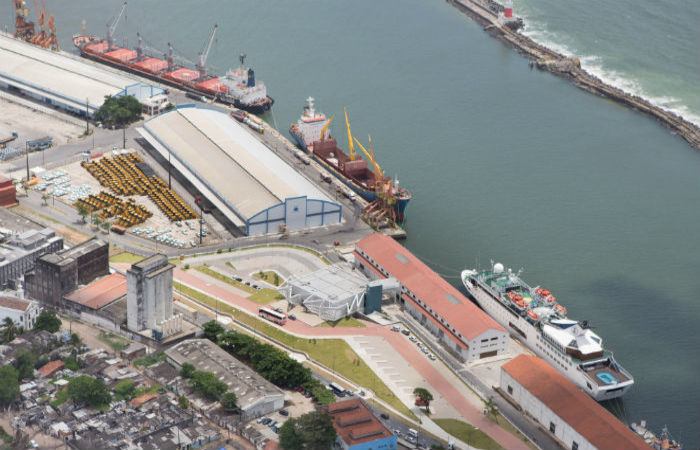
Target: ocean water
(597, 203)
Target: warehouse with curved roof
(248, 183)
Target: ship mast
(113, 26)
(205, 53)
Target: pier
(485, 12)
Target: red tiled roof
(51, 367)
(14, 303)
(138, 401)
(355, 424)
(435, 322)
(433, 290)
(581, 412)
(271, 445)
(100, 293)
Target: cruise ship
(535, 317)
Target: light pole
(26, 152)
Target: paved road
(417, 360)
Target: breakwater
(485, 12)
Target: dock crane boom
(113, 26)
(325, 127)
(378, 172)
(24, 28)
(205, 53)
(38, 37)
(351, 147)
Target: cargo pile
(121, 175)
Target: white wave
(594, 64)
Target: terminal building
(254, 189)
(576, 420)
(60, 80)
(464, 329)
(358, 428)
(256, 396)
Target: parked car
(275, 429)
(266, 420)
(300, 389)
(273, 423)
(432, 357)
(284, 412)
(412, 339)
(395, 328)
(406, 332)
(425, 350)
(292, 317)
(260, 419)
(384, 416)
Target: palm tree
(44, 198)
(83, 212)
(10, 329)
(425, 397)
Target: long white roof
(224, 155)
(59, 73)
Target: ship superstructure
(534, 316)
(387, 199)
(238, 87)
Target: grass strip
(116, 342)
(125, 257)
(269, 276)
(259, 296)
(333, 353)
(468, 433)
(150, 359)
(344, 322)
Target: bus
(337, 390)
(272, 316)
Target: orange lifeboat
(561, 309)
(532, 314)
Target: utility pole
(124, 137)
(26, 152)
(87, 118)
(169, 167)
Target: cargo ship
(238, 87)
(312, 134)
(535, 317)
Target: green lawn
(60, 398)
(259, 296)
(116, 342)
(269, 277)
(333, 353)
(468, 433)
(125, 257)
(344, 322)
(150, 359)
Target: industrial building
(97, 295)
(253, 188)
(8, 193)
(461, 326)
(149, 296)
(57, 274)
(256, 396)
(19, 252)
(57, 78)
(333, 293)
(358, 428)
(576, 420)
(22, 312)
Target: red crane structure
(24, 28)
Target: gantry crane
(201, 61)
(24, 28)
(113, 26)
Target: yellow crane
(378, 172)
(351, 147)
(325, 127)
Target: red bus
(272, 316)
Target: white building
(572, 417)
(149, 293)
(22, 312)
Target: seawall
(485, 12)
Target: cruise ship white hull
(527, 333)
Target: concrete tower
(149, 293)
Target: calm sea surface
(597, 203)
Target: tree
(89, 390)
(44, 198)
(169, 107)
(425, 397)
(83, 212)
(106, 226)
(491, 407)
(228, 402)
(125, 390)
(187, 370)
(25, 362)
(212, 330)
(119, 111)
(75, 341)
(9, 384)
(72, 364)
(183, 402)
(312, 431)
(47, 321)
(10, 330)
(207, 384)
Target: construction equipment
(205, 53)
(351, 147)
(325, 127)
(113, 26)
(24, 28)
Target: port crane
(113, 26)
(39, 37)
(205, 53)
(24, 28)
(351, 147)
